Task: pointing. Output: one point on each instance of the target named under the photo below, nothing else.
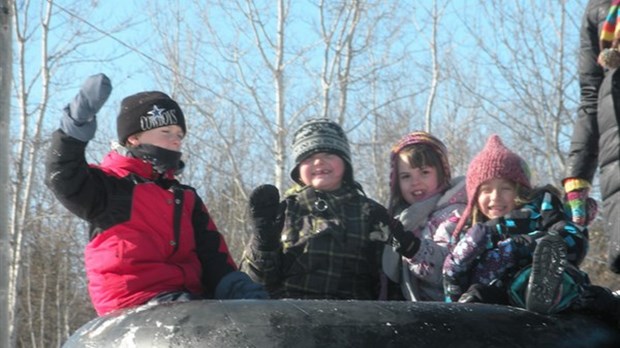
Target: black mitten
(551, 211)
(267, 213)
(516, 222)
(391, 231)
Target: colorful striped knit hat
(610, 30)
(495, 161)
(609, 56)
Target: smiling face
(496, 197)
(416, 184)
(167, 137)
(323, 171)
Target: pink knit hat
(495, 161)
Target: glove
(516, 222)
(78, 120)
(238, 285)
(551, 211)
(524, 246)
(391, 231)
(267, 215)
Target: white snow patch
(105, 324)
(168, 328)
(129, 338)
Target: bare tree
(30, 129)
(34, 86)
(530, 74)
(6, 63)
(435, 15)
(246, 72)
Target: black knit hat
(147, 110)
(320, 135)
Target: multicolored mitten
(578, 207)
(577, 201)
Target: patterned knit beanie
(320, 135)
(609, 56)
(145, 111)
(495, 161)
(417, 138)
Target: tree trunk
(6, 61)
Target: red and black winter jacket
(148, 235)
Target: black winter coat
(609, 134)
(596, 138)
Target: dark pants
(611, 215)
(177, 296)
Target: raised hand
(267, 216)
(78, 120)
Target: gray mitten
(78, 120)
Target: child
(508, 219)
(325, 239)
(423, 197)
(151, 237)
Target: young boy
(151, 237)
(325, 240)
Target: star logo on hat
(156, 112)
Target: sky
(121, 53)
(125, 46)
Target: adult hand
(577, 202)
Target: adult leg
(611, 214)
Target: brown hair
(419, 155)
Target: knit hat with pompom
(321, 135)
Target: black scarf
(161, 159)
